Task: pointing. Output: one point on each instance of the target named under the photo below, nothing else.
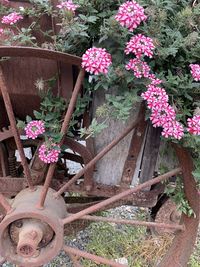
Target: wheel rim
(175, 255)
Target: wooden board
(110, 168)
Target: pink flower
(139, 45)
(34, 128)
(96, 60)
(195, 71)
(49, 153)
(12, 18)
(130, 15)
(156, 97)
(69, 5)
(154, 80)
(140, 68)
(194, 125)
(173, 129)
(1, 31)
(162, 117)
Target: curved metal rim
(20, 51)
(183, 243)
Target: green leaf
(37, 115)
(28, 118)
(21, 124)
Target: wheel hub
(29, 236)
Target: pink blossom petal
(140, 45)
(34, 129)
(12, 18)
(130, 15)
(96, 60)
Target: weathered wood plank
(150, 153)
(110, 168)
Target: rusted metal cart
(34, 207)
(118, 167)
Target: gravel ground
(82, 238)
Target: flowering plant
(147, 50)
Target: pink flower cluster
(163, 115)
(69, 5)
(140, 45)
(195, 71)
(139, 68)
(49, 153)
(154, 80)
(130, 15)
(96, 60)
(156, 97)
(160, 117)
(194, 125)
(173, 129)
(12, 18)
(34, 129)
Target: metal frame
(186, 231)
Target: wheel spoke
(95, 258)
(64, 130)
(102, 153)
(133, 222)
(15, 132)
(119, 196)
(75, 260)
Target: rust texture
(141, 199)
(134, 150)
(168, 213)
(5, 204)
(64, 130)
(121, 195)
(10, 186)
(133, 222)
(12, 120)
(36, 216)
(183, 243)
(99, 156)
(33, 229)
(75, 260)
(86, 156)
(5, 134)
(19, 51)
(92, 257)
(4, 169)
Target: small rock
(122, 261)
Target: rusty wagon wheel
(32, 229)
